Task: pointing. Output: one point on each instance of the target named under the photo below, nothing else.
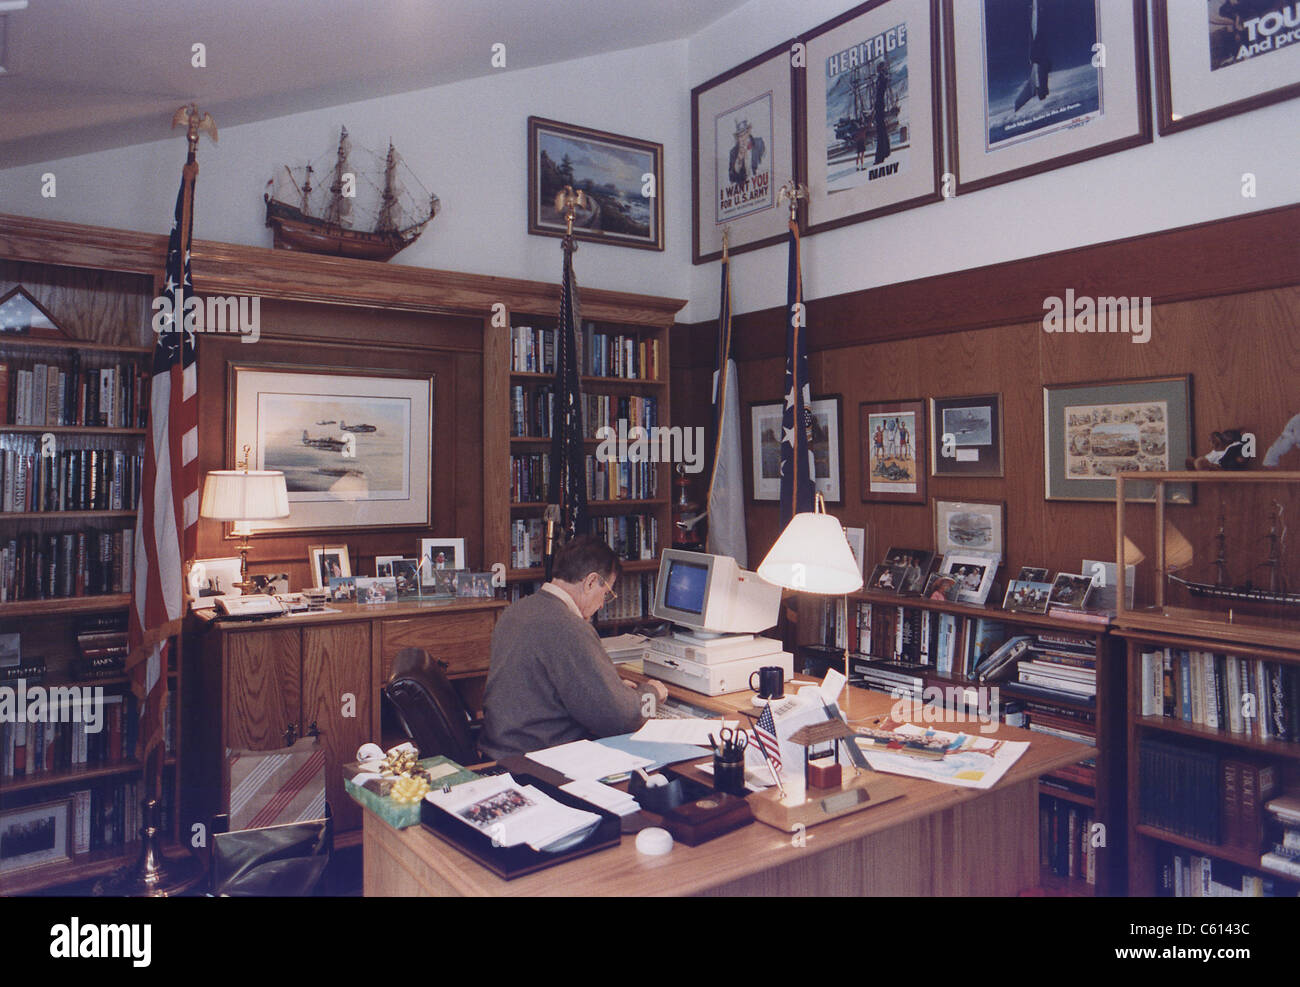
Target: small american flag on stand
(765, 734)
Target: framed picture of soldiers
(893, 442)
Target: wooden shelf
(82, 867)
(538, 573)
(1037, 620)
(62, 515)
(73, 776)
(1235, 854)
(603, 505)
(71, 430)
(65, 605)
(1067, 796)
(1261, 636)
(1055, 886)
(37, 342)
(1167, 724)
(525, 377)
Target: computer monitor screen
(687, 586)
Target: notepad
(584, 760)
(620, 803)
(687, 730)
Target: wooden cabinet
(258, 684)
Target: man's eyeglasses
(610, 595)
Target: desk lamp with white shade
(243, 496)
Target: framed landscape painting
(621, 177)
(827, 446)
(354, 447)
(742, 152)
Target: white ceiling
(84, 75)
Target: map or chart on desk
(975, 762)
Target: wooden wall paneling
(105, 307)
(336, 666)
(264, 688)
(496, 362)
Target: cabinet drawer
(462, 640)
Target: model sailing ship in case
(366, 214)
(1274, 589)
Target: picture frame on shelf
(375, 589)
(1027, 596)
(36, 835)
(742, 152)
(863, 157)
(22, 315)
(1028, 94)
(328, 562)
(442, 585)
(474, 585)
(966, 435)
(406, 573)
(270, 583)
(628, 209)
(1071, 591)
(1034, 574)
(915, 563)
(371, 474)
(941, 586)
(343, 589)
(886, 578)
(973, 574)
(969, 525)
(384, 564)
(1208, 66)
(209, 578)
(827, 448)
(857, 539)
(1105, 584)
(440, 553)
(1093, 430)
(893, 440)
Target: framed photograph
(328, 562)
(1027, 596)
(857, 539)
(210, 578)
(384, 564)
(966, 436)
(270, 583)
(941, 587)
(973, 575)
(406, 572)
(915, 563)
(442, 584)
(1105, 584)
(886, 578)
(742, 152)
(474, 585)
(622, 178)
(1071, 592)
(1093, 431)
(1223, 59)
(1034, 86)
(827, 448)
(893, 440)
(376, 589)
(869, 140)
(35, 835)
(440, 553)
(969, 525)
(343, 589)
(1034, 574)
(354, 446)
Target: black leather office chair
(430, 709)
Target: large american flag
(568, 486)
(168, 513)
(797, 482)
(765, 734)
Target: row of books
(114, 396)
(635, 596)
(527, 543)
(1250, 697)
(72, 563)
(613, 480)
(41, 747)
(599, 354)
(530, 478)
(1283, 856)
(82, 479)
(1182, 874)
(532, 410)
(633, 537)
(1201, 794)
(1067, 845)
(30, 670)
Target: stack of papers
(586, 760)
(686, 730)
(620, 803)
(626, 647)
(512, 814)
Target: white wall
(465, 141)
(1191, 177)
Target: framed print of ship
(742, 151)
(355, 447)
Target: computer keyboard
(675, 709)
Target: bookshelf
(1095, 792)
(73, 411)
(624, 374)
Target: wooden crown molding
(1254, 252)
(226, 268)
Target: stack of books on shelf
(43, 393)
(633, 537)
(1057, 666)
(1069, 724)
(1183, 874)
(101, 646)
(613, 480)
(532, 409)
(76, 738)
(635, 591)
(71, 563)
(74, 476)
(608, 410)
(1249, 697)
(530, 478)
(628, 357)
(527, 543)
(532, 350)
(947, 645)
(1065, 840)
(1284, 855)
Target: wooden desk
(935, 840)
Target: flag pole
(153, 874)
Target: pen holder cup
(729, 775)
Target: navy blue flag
(797, 482)
(568, 481)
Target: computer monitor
(711, 594)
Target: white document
(511, 813)
(688, 730)
(832, 686)
(625, 647)
(583, 760)
(603, 795)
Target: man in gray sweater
(550, 680)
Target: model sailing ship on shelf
(359, 217)
(1275, 588)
